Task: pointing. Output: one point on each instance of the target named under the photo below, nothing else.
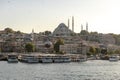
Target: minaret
(32, 34)
(81, 27)
(86, 26)
(68, 23)
(32, 31)
(73, 23)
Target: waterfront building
(74, 48)
(106, 39)
(69, 48)
(40, 46)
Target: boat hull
(114, 58)
(13, 60)
(46, 60)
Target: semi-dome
(62, 30)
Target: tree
(29, 47)
(97, 50)
(92, 50)
(18, 32)
(84, 32)
(94, 33)
(110, 52)
(117, 51)
(9, 30)
(104, 51)
(57, 45)
(47, 33)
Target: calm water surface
(90, 70)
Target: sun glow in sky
(102, 16)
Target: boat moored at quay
(61, 59)
(53, 58)
(49, 58)
(29, 58)
(78, 58)
(12, 58)
(113, 58)
(46, 59)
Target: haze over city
(24, 15)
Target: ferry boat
(66, 59)
(113, 58)
(61, 59)
(12, 58)
(29, 59)
(46, 59)
(82, 59)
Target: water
(90, 70)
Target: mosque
(63, 31)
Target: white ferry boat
(46, 59)
(113, 58)
(12, 58)
(82, 59)
(66, 59)
(30, 59)
(61, 59)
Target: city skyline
(41, 15)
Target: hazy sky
(102, 15)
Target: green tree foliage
(47, 33)
(93, 32)
(110, 52)
(117, 51)
(18, 32)
(84, 32)
(8, 30)
(97, 50)
(104, 51)
(62, 52)
(57, 45)
(29, 47)
(92, 50)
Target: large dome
(62, 30)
